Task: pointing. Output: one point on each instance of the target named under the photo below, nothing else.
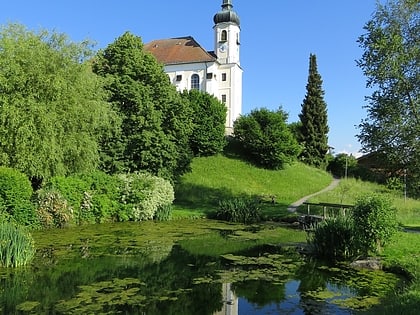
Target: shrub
(52, 209)
(266, 138)
(241, 210)
(334, 239)
(143, 194)
(15, 196)
(73, 189)
(94, 197)
(102, 196)
(375, 222)
(16, 245)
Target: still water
(127, 270)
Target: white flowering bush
(142, 194)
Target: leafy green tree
(266, 138)
(313, 116)
(343, 165)
(52, 107)
(156, 122)
(391, 63)
(209, 119)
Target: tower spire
(226, 14)
(227, 5)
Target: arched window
(195, 82)
(223, 36)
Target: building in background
(217, 72)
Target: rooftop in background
(179, 50)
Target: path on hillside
(296, 204)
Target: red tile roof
(179, 50)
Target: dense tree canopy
(52, 107)
(156, 122)
(209, 121)
(391, 63)
(266, 138)
(314, 119)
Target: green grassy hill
(220, 177)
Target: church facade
(217, 72)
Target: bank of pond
(185, 267)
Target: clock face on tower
(223, 47)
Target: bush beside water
(371, 225)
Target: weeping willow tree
(52, 107)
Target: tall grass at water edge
(16, 245)
(219, 177)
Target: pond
(186, 267)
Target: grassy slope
(219, 177)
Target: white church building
(217, 72)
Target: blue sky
(277, 37)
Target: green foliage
(156, 122)
(101, 199)
(395, 183)
(15, 196)
(375, 222)
(52, 107)
(314, 119)
(16, 245)
(343, 165)
(334, 239)
(163, 213)
(52, 209)
(93, 197)
(72, 188)
(390, 61)
(209, 118)
(266, 138)
(241, 210)
(142, 195)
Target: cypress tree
(314, 129)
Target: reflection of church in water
(230, 301)
(218, 72)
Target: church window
(209, 76)
(223, 37)
(223, 98)
(195, 82)
(179, 77)
(223, 76)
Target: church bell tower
(226, 47)
(227, 31)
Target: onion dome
(226, 14)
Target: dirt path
(296, 204)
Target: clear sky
(277, 37)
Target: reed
(16, 245)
